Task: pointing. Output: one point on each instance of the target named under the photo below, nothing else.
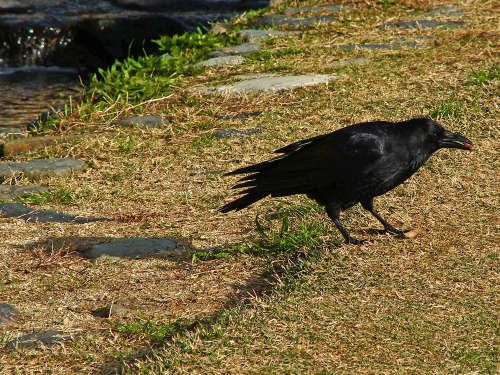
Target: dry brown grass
(427, 305)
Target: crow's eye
(434, 137)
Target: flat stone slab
(421, 24)
(266, 85)
(39, 340)
(236, 133)
(221, 61)
(20, 211)
(8, 192)
(144, 122)
(281, 19)
(254, 35)
(377, 46)
(8, 314)
(446, 10)
(322, 8)
(131, 248)
(37, 168)
(240, 49)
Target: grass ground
(427, 305)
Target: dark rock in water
(144, 122)
(281, 19)
(236, 133)
(240, 115)
(240, 49)
(39, 340)
(8, 314)
(188, 5)
(446, 10)
(37, 168)
(20, 211)
(8, 192)
(421, 24)
(93, 33)
(131, 248)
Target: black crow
(348, 166)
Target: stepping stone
(377, 46)
(421, 24)
(8, 192)
(8, 314)
(39, 340)
(324, 8)
(37, 168)
(130, 248)
(236, 133)
(222, 61)
(447, 10)
(356, 61)
(11, 133)
(240, 49)
(281, 19)
(252, 35)
(144, 122)
(20, 211)
(265, 85)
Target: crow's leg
(334, 213)
(388, 228)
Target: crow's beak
(454, 140)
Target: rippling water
(27, 91)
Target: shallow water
(27, 91)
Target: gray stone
(236, 133)
(10, 133)
(281, 19)
(377, 46)
(324, 8)
(8, 314)
(446, 10)
(144, 122)
(222, 61)
(268, 85)
(356, 61)
(216, 54)
(253, 35)
(20, 211)
(130, 248)
(37, 168)
(8, 192)
(421, 24)
(39, 340)
(240, 49)
(360, 46)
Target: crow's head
(434, 136)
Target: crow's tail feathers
(243, 202)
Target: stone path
(38, 168)
(250, 84)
